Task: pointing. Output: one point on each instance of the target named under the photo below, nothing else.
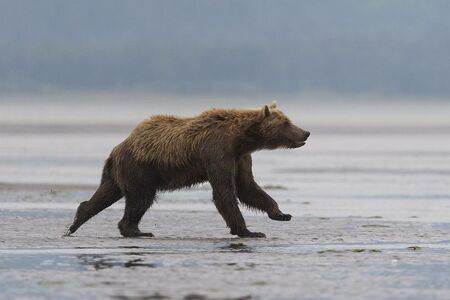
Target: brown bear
(167, 153)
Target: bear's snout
(297, 138)
(306, 135)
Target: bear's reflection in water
(146, 259)
(236, 247)
(105, 261)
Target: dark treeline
(379, 46)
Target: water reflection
(237, 247)
(105, 261)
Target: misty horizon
(189, 47)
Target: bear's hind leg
(107, 194)
(136, 204)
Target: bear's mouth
(297, 144)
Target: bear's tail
(107, 194)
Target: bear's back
(171, 141)
(163, 140)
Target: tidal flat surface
(370, 206)
(193, 257)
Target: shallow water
(192, 254)
(370, 206)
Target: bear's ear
(273, 105)
(265, 112)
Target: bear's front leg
(252, 195)
(224, 196)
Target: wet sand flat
(192, 256)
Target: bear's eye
(286, 123)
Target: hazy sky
(393, 47)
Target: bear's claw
(250, 234)
(148, 234)
(281, 217)
(136, 233)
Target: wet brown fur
(168, 153)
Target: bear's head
(277, 131)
